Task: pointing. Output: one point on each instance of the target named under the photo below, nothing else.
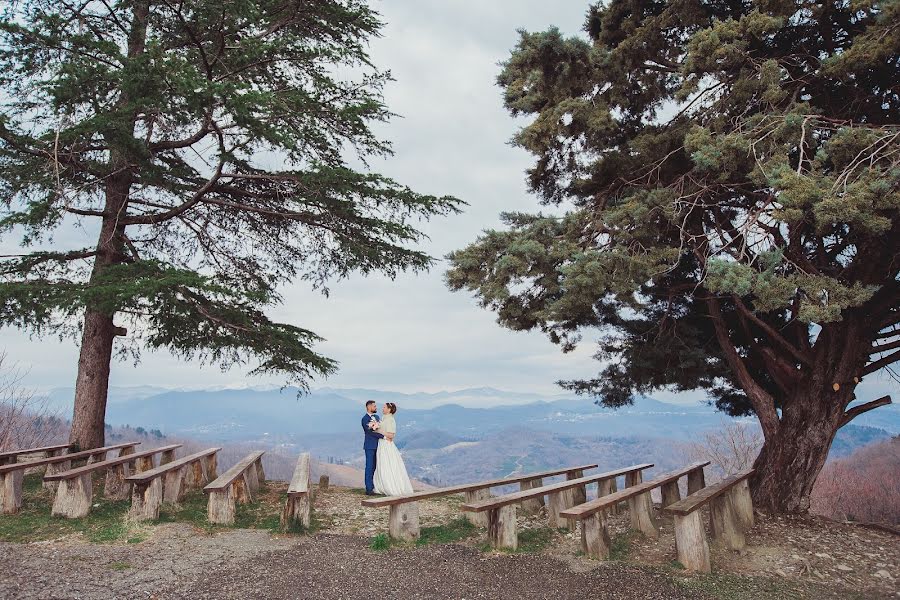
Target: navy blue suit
(370, 445)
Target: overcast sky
(412, 334)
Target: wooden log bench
(237, 484)
(169, 482)
(595, 540)
(297, 508)
(730, 515)
(12, 456)
(403, 518)
(501, 510)
(12, 474)
(73, 497)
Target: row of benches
(133, 473)
(731, 508)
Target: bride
(390, 472)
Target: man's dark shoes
(370, 493)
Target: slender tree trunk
(92, 383)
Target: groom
(370, 444)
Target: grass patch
(119, 566)
(535, 540)
(380, 542)
(105, 523)
(620, 547)
(454, 531)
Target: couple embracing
(385, 471)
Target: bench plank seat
(52, 460)
(73, 496)
(468, 487)
(9, 456)
(167, 483)
(11, 475)
(603, 502)
(595, 540)
(105, 464)
(698, 499)
(730, 515)
(521, 495)
(237, 484)
(297, 507)
(501, 511)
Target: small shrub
(380, 542)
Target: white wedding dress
(390, 472)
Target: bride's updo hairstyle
(393, 407)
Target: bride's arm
(390, 436)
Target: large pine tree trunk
(92, 383)
(792, 457)
(790, 462)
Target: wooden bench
(12, 474)
(595, 540)
(237, 484)
(168, 482)
(297, 508)
(501, 510)
(73, 498)
(403, 519)
(730, 515)
(11, 456)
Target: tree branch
(854, 412)
(881, 363)
(885, 347)
(762, 401)
(770, 331)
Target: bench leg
(579, 494)
(55, 468)
(210, 468)
(241, 489)
(73, 497)
(534, 505)
(116, 488)
(606, 487)
(166, 457)
(696, 481)
(595, 536)
(193, 475)
(502, 528)
(126, 451)
(173, 485)
(479, 519)
(144, 463)
(641, 513)
(560, 501)
(252, 478)
(95, 458)
(724, 523)
(743, 504)
(403, 521)
(296, 511)
(670, 493)
(146, 499)
(260, 472)
(221, 506)
(11, 491)
(690, 542)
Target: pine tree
(207, 145)
(730, 173)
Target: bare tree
(27, 420)
(730, 449)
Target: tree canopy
(731, 180)
(210, 148)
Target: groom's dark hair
(369, 402)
